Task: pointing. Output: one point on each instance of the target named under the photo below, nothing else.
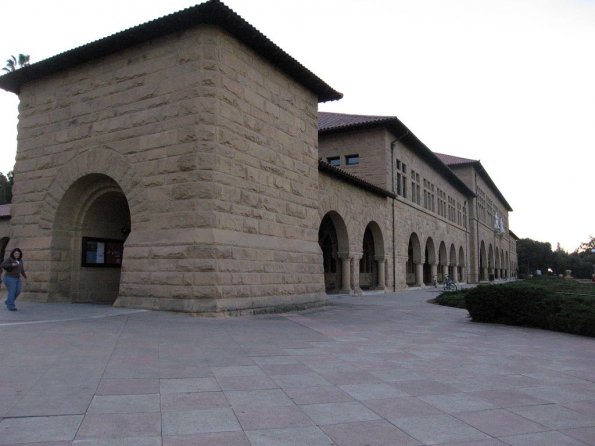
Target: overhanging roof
(212, 12)
(329, 123)
(458, 162)
(340, 174)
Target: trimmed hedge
(532, 306)
(454, 299)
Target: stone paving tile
(199, 421)
(506, 398)
(492, 442)
(138, 386)
(335, 413)
(303, 380)
(555, 416)
(311, 436)
(583, 407)
(457, 402)
(64, 400)
(423, 387)
(551, 438)
(254, 382)
(252, 370)
(368, 433)
(214, 439)
(584, 434)
(37, 429)
(131, 441)
(363, 392)
(275, 360)
(187, 385)
(173, 370)
(277, 417)
(438, 429)
(317, 395)
(192, 401)
(124, 404)
(555, 394)
(258, 398)
(500, 422)
(285, 369)
(403, 407)
(121, 425)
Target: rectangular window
(334, 160)
(351, 160)
(102, 252)
(401, 186)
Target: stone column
(355, 274)
(345, 272)
(486, 275)
(381, 273)
(444, 272)
(419, 274)
(463, 274)
(433, 272)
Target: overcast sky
(508, 82)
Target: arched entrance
(332, 238)
(442, 263)
(430, 265)
(491, 263)
(372, 264)
(461, 267)
(413, 259)
(452, 263)
(91, 225)
(483, 269)
(497, 265)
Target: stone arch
(461, 265)
(483, 262)
(371, 266)
(93, 206)
(104, 161)
(491, 262)
(452, 262)
(497, 264)
(502, 265)
(430, 263)
(507, 266)
(334, 243)
(413, 259)
(442, 263)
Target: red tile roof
(451, 160)
(340, 174)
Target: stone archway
(94, 207)
(413, 260)
(372, 264)
(497, 265)
(491, 263)
(442, 271)
(461, 267)
(483, 268)
(430, 264)
(452, 263)
(334, 243)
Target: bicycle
(449, 284)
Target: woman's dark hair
(16, 250)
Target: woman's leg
(11, 285)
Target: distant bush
(532, 305)
(452, 298)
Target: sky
(508, 82)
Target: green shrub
(452, 298)
(532, 305)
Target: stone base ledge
(226, 306)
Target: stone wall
(214, 152)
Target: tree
(6, 182)
(587, 246)
(13, 63)
(533, 255)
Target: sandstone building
(183, 165)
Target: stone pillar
(434, 271)
(345, 272)
(419, 274)
(444, 272)
(355, 274)
(486, 275)
(463, 273)
(381, 273)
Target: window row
(350, 160)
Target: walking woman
(13, 268)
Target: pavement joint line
(49, 321)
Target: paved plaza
(386, 369)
